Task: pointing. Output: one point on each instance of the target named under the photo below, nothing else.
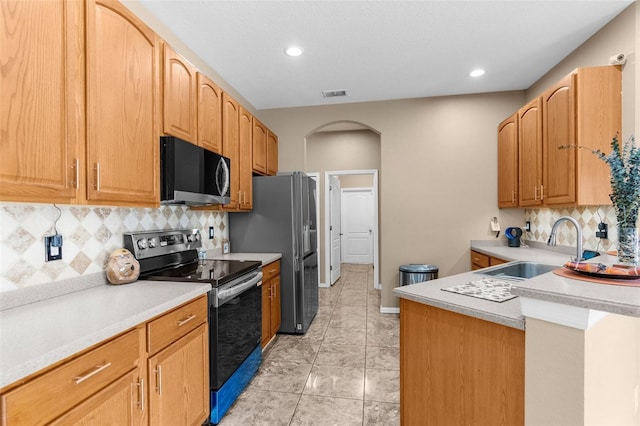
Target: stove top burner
(173, 256)
(216, 272)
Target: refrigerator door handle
(296, 263)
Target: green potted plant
(624, 162)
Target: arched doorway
(348, 151)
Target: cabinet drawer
(271, 270)
(478, 259)
(175, 324)
(41, 400)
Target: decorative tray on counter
(491, 289)
(600, 270)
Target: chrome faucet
(552, 237)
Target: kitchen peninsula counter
(37, 335)
(549, 287)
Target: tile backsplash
(90, 234)
(588, 217)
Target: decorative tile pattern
(90, 234)
(588, 217)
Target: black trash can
(417, 273)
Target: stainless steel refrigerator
(283, 220)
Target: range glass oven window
(235, 329)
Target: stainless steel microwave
(192, 175)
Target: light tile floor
(344, 371)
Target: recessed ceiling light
(293, 51)
(477, 72)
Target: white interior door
(357, 225)
(335, 228)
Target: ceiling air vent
(333, 93)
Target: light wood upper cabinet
(585, 109)
(246, 148)
(123, 69)
(530, 153)
(508, 162)
(559, 181)
(179, 97)
(259, 147)
(272, 153)
(42, 107)
(209, 114)
(231, 144)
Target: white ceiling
(379, 50)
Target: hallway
(344, 371)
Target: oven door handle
(229, 293)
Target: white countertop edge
(265, 258)
(460, 309)
(616, 307)
(13, 373)
(569, 316)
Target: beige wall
(583, 377)
(356, 181)
(438, 173)
(341, 151)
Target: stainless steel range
(235, 305)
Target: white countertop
(39, 334)
(549, 287)
(265, 258)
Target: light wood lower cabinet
(480, 260)
(271, 315)
(179, 381)
(111, 384)
(458, 370)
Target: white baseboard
(324, 285)
(388, 310)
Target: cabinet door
(117, 404)
(259, 147)
(231, 144)
(246, 149)
(530, 153)
(179, 381)
(209, 114)
(42, 107)
(266, 313)
(508, 162)
(122, 107)
(272, 154)
(179, 96)
(275, 305)
(558, 130)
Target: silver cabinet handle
(141, 394)
(97, 176)
(95, 371)
(535, 193)
(513, 197)
(542, 192)
(186, 320)
(159, 378)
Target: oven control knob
(151, 242)
(142, 244)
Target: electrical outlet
(527, 226)
(53, 247)
(211, 232)
(603, 230)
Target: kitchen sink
(518, 270)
